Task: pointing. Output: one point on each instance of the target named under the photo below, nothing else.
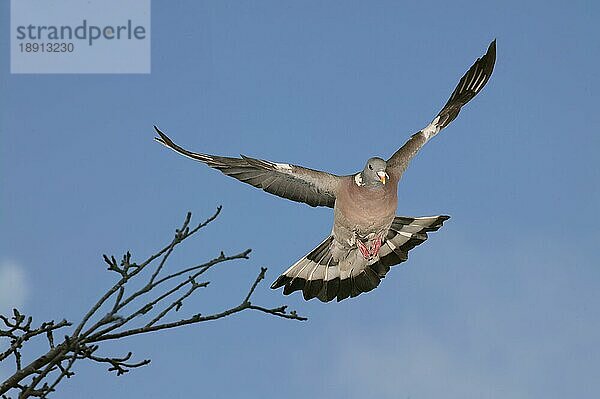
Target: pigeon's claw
(369, 252)
(375, 247)
(366, 253)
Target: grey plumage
(293, 182)
(469, 85)
(319, 277)
(374, 172)
(367, 237)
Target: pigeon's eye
(371, 167)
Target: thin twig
(65, 372)
(119, 321)
(261, 276)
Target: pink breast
(368, 208)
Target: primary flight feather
(367, 236)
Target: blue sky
(501, 302)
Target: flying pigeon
(367, 236)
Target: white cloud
(13, 286)
(13, 293)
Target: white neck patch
(358, 179)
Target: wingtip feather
(163, 138)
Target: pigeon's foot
(369, 252)
(374, 250)
(366, 253)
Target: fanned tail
(318, 274)
(405, 234)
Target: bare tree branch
(158, 299)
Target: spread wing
(293, 182)
(468, 87)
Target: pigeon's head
(374, 173)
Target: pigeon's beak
(382, 176)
